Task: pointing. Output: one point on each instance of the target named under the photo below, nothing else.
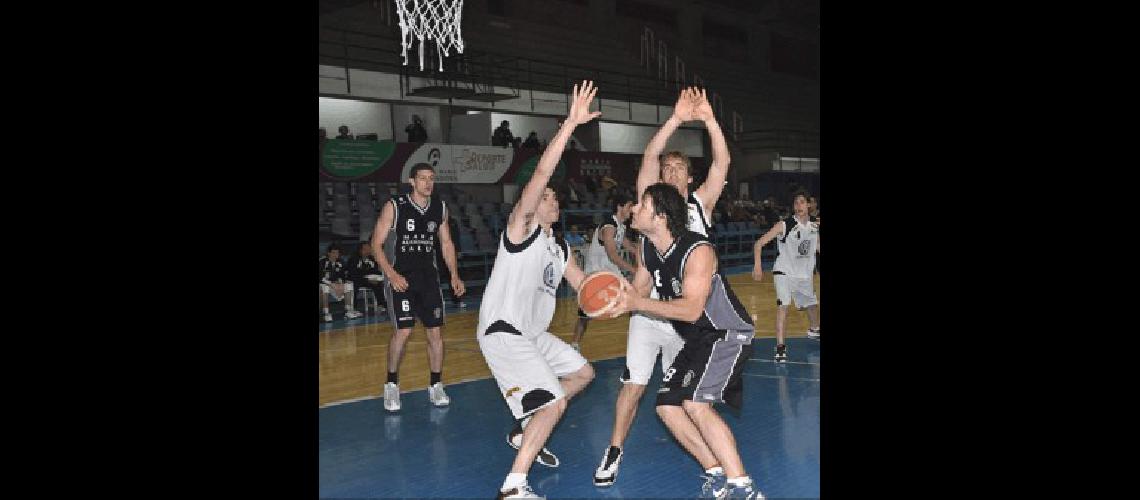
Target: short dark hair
(331, 247)
(801, 192)
(667, 201)
(618, 200)
(419, 166)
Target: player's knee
(695, 409)
(586, 372)
(667, 409)
(633, 390)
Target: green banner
(355, 158)
(526, 170)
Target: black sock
(435, 378)
(393, 377)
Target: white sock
(326, 310)
(715, 471)
(514, 480)
(740, 481)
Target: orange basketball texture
(598, 291)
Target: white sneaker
(328, 318)
(813, 334)
(437, 396)
(352, 315)
(606, 473)
(523, 491)
(391, 397)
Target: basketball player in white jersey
(407, 259)
(682, 266)
(602, 253)
(536, 372)
(648, 335)
(796, 246)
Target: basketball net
(436, 20)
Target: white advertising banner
(466, 164)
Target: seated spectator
(343, 132)
(532, 141)
(332, 276)
(416, 131)
(502, 136)
(365, 272)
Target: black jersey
(329, 271)
(411, 244)
(722, 312)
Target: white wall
(473, 129)
(622, 138)
(361, 117)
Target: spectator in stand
(416, 131)
(365, 273)
(503, 136)
(331, 274)
(343, 132)
(532, 141)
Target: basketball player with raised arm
(797, 242)
(602, 254)
(412, 289)
(682, 266)
(648, 335)
(537, 373)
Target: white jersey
(697, 221)
(796, 248)
(596, 257)
(523, 282)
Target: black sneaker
(781, 353)
(545, 457)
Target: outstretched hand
(684, 108)
(580, 108)
(702, 109)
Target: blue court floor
(461, 451)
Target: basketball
(598, 293)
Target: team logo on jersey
(436, 312)
(805, 246)
(676, 287)
(548, 275)
(688, 378)
(431, 226)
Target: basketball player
(602, 254)
(412, 286)
(648, 335)
(331, 273)
(796, 246)
(682, 266)
(536, 372)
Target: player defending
(537, 373)
(602, 254)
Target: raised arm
(650, 172)
(532, 194)
(709, 192)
